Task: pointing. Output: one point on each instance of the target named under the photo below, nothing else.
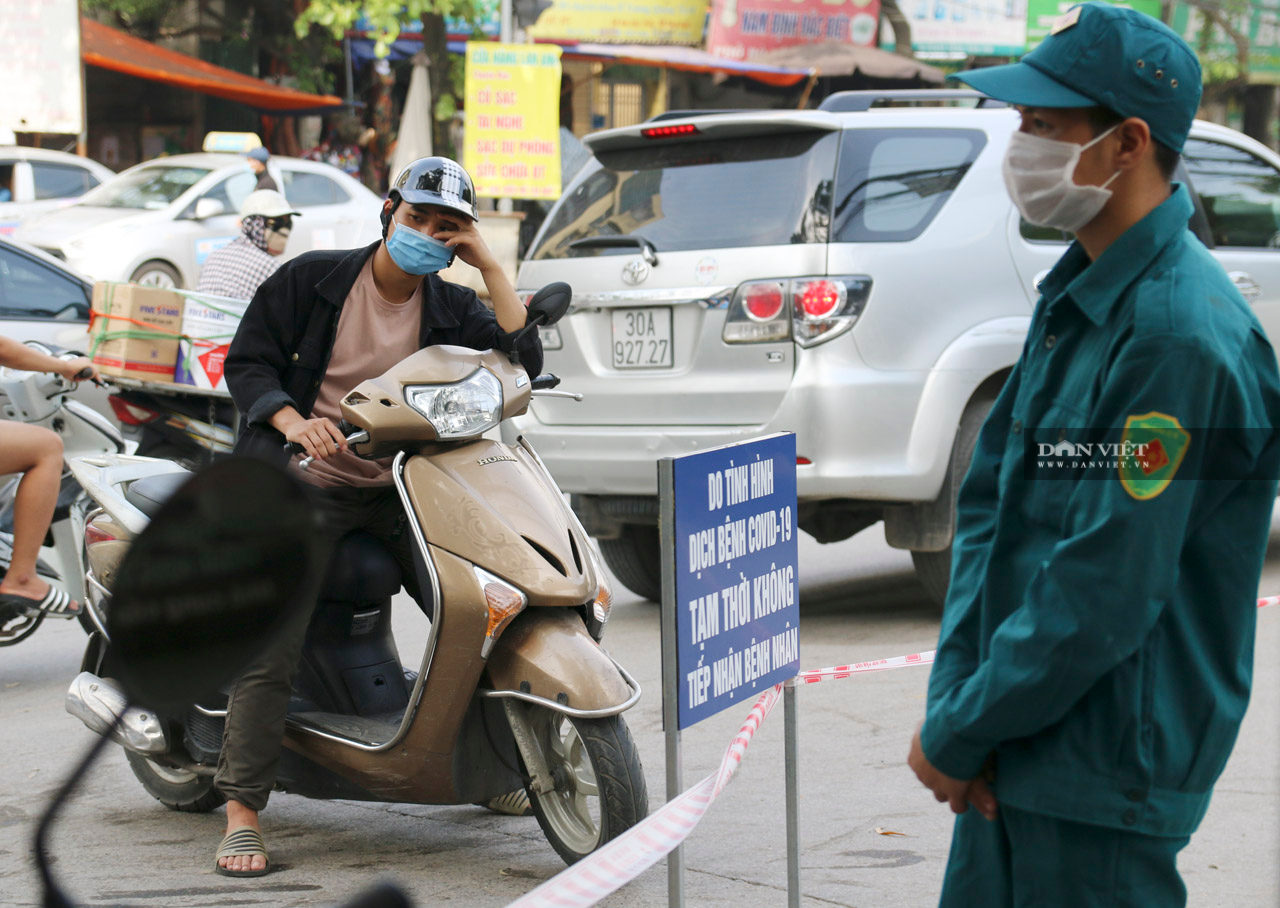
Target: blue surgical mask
(416, 253)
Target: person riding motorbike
(321, 324)
(239, 268)
(36, 453)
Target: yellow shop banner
(623, 21)
(512, 147)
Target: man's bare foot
(237, 816)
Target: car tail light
(132, 414)
(763, 302)
(825, 307)
(524, 296)
(809, 309)
(758, 313)
(669, 132)
(819, 299)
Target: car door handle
(1248, 287)
(1039, 279)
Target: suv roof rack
(845, 101)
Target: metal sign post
(670, 668)
(791, 746)
(730, 603)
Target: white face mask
(1040, 176)
(277, 240)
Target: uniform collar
(335, 286)
(1095, 286)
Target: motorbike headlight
(470, 407)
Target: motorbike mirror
(550, 304)
(219, 569)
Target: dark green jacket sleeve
(957, 654)
(1100, 589)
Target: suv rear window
(893, 182)
(718, 194)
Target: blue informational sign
(736, 584)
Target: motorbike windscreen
(766, 190)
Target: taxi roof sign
(232, 142)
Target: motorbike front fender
(547, 657)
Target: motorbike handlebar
(353, 435)
(86, 374)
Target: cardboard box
(209, 324)
(135, 330)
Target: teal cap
(1103, 55)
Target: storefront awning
(108, 48)
(671, 56)
(689, 59)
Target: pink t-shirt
(373, 335)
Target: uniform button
(1135, 794)
(1017, 426)
(295, 357)
(1130, 817)
(1049, 342)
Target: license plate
(642, 338)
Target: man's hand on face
(319, 436)
(470, 245)
(958, 793)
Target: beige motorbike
(513, 687)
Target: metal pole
(506, 34)
(792, 747)
(670, 680)
(351, 79)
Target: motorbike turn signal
(504, 601)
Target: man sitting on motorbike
(320, 325)
(36, 453)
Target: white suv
(855, 274)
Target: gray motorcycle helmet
(433, 181)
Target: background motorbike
(45, 399)
(189, 429)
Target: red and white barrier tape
(610, 868)
(643, 845)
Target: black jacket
(281, 351)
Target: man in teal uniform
(1096, 649)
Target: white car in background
(855, 274)
(34, 181)
(158, 222)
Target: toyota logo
(635, 271)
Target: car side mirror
(208, 208)
(549, 304)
